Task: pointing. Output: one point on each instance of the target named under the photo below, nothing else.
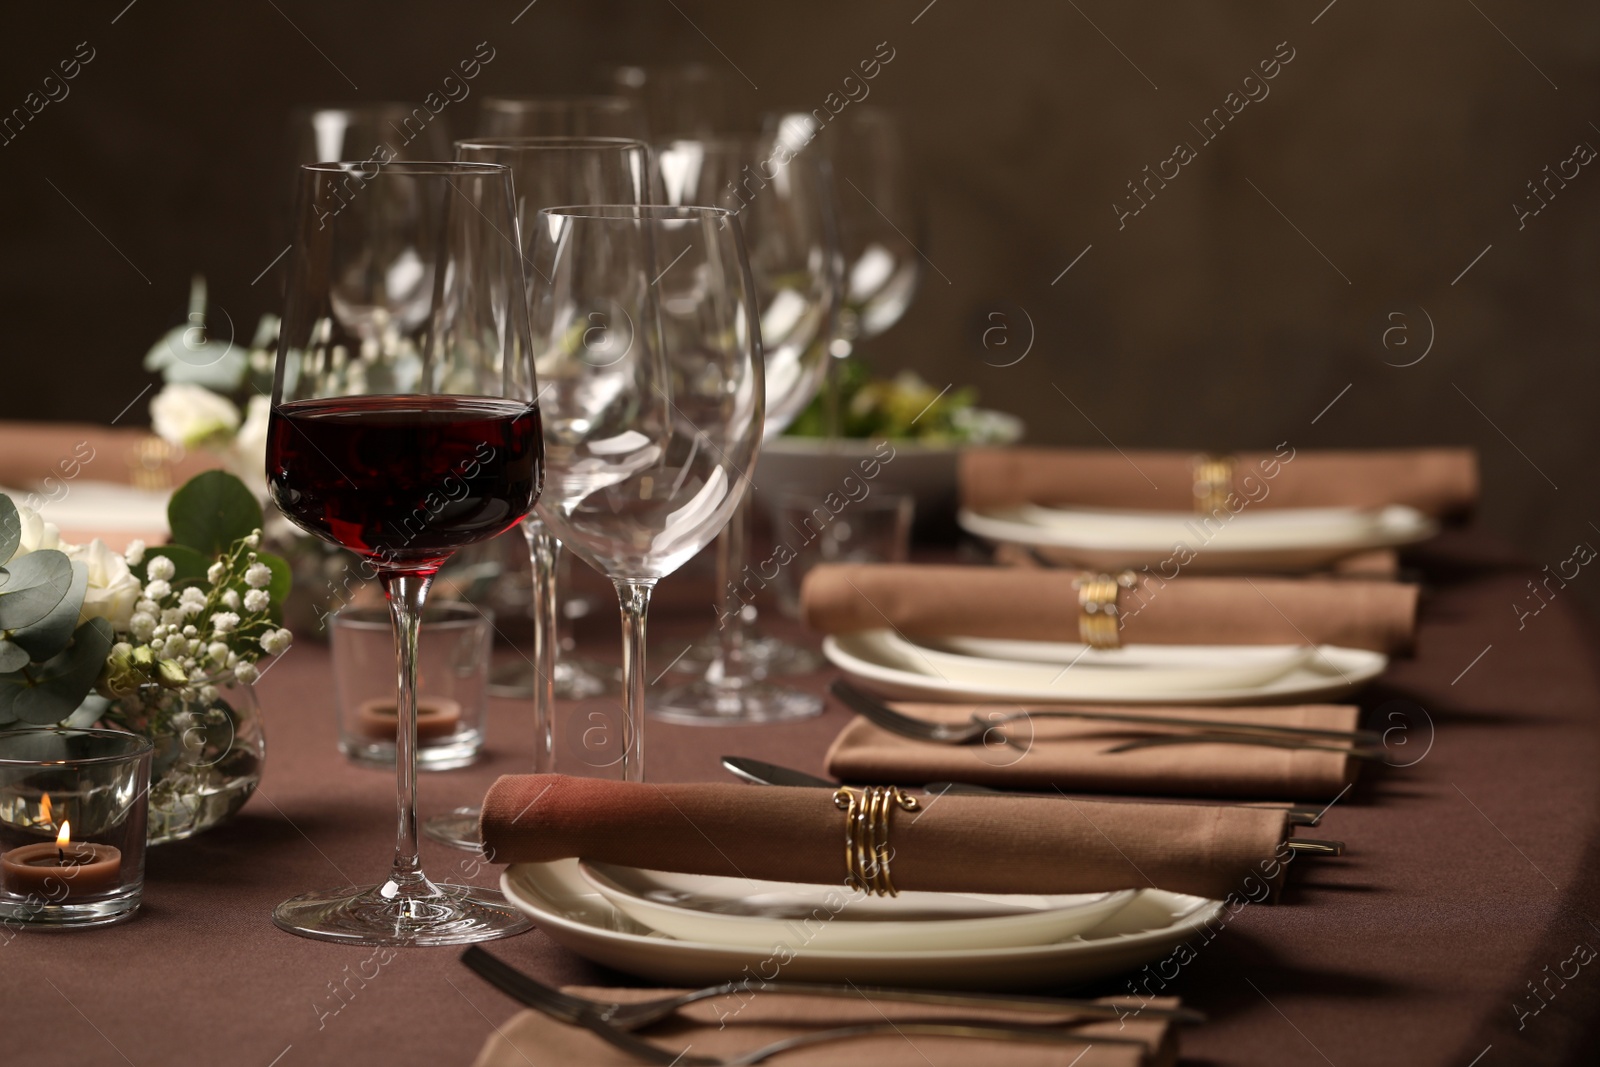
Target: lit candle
(436, 717)
(84, 869)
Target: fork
(975, 728)
(1217, 738)
(640, 1014)
(561, 1006)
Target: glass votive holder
(452, 684)
(825, 526)
(73, 810)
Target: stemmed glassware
(368, 132)
(404, 426)
(781, 201)
(683, 99)
(648, 326)
(562, 116)
(546, 172)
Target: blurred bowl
(926, 472)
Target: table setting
(1000, 752)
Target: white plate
(891, 666)
(1279, 539)
(577, 917)
(757, 914)
(1156, 670)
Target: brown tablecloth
(1469, 874)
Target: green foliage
(211, 512)
(900, 408)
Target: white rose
(191, 415)
(113, 590)
(248, 459)
(36, 533)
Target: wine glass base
(457, 828)
(455, 915)
(704, 703)
(576, 679)
(766, 655)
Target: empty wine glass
(351, 132)
(648, 327)
(684, 99)
(547, 172)
(562, 116)
(404, 426)
(781, 201)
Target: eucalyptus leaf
(50, 634)
(211, 512)
(12, 657)
(34, 585)
(60, 684)
(10, 528)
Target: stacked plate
(1283, 540)
(982, 669)
(695, 929)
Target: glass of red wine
(404, 426)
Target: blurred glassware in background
(562, 116)
(357, 132)
(650, 360)
(823, 526)
(781, 203)
(684, 99)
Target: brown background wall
(1229, 313)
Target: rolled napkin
(1070, 754)
(974, 844)
(1042, 605)
(1381, 563)
(746, 1020)
(1441, 482)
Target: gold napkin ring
(1099, 623)
(1213, 482)
(866, 835)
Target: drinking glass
(781, 202)
(547, 172)
(404, 426)
(562, 116)
(362, 131)
(684, 99)
(648, 326)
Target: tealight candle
(436, 717)
(83, 869)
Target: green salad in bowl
(903, 408)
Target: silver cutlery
(977, 727)
(1217, 738)
(1299, 815)
(591, 1015)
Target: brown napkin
(1041, 605)
(975, 844)
(740, 1022)
(1373, 563)
(30, 452)
(1436, 481)
(1070, 754)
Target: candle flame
(64, 838)
(45, 814)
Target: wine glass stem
(732, 628)
(543, 552)
(406, 591)
(634, 596)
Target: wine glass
(368, 132)
(562, 116)
(546, 172)
(879, 223)
(648, 327)
(683, 99)
(404, 426)
(781, 201)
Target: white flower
(218, 651)
(135, 553)
(248, 458)
(173, 618)
(159, 589)
(113, 590)
(215, 572)
(174, 648)
(192, 594)
(208, 693)
(254, 540)
(224, 621)
(230, 600)
(257, 600)
(163, 569)
(246, 673)
(142, 625)
(257, 575)
(36, 533)
(191, 415)
(275, 641)
(148, 606)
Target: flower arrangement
(132, 640)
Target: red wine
(405, 480)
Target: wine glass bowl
(404, 426)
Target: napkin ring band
(866, 835)
(1099, 621)
(1213, 482)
